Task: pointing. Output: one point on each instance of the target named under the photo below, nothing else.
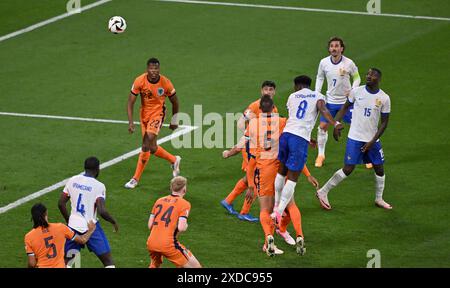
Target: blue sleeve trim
(384, 114)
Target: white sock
(322, 137)
(110, 266)
(279, 184)
(333, 181)
(286, 195)
(379, 186)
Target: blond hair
(177, 183)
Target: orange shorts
(265, 180)
(152, 120)
(177, 255)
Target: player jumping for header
(370, 103)
(153, 89)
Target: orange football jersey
(153, 95)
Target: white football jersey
(367, 108)
(83, 192)
(302, 108)
(338, 78)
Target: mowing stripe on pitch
(17, 203)
(306, 9)
(51, 20)
(76, 118)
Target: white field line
(51, 20)
(306, 9)
(76, 118)
(185, 130)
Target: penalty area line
(21, 201)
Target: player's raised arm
(131, 100)
(175, 108)
(236, 149)
(63, 199)
(105, 214)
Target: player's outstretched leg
(322, 137)
(379, 187)
(173, 160)
(282, 229)
(245, 211)
(322, 193)
(192, 263)
(227, 203)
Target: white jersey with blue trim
(83, 192)
(302, 108)
(367, 108)
(338, 78)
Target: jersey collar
(331, 60)
(372, 92)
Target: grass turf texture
(218, 56)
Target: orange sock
(266, 223)
(247, 205)
(238, 189)
(142, 162)
(285, 222)
(161, 153)
(296, 218)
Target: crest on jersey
(160, 91)
(377, 103)
(342, 71)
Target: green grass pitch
(217, 56)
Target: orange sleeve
(251, 111)
(154, 208)
(28, 247)
(250, 172)
(184, 211)
(170, 90)
(136, 88)
(305, 171)
(68, 233)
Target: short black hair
(38, 212)
(303, 80)
(92, 164)
(341, 42)
(153, 61)
(265, 103)
(268, 83)
(376, 70)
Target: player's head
(153, 69)
(336, 46)
(268, 88)
(266, 104)
(301, 82)
(92, 166)
(373, 77)
(39, 215)
(178, 185)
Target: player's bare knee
(379, 170)
(348, 169)
(153, 148)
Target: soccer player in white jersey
(87, 197)
(370, 103)
(303, 107)
(337, 70)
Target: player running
(264, 133)
(167, 219)
(253, 110)
(303, 106)
(44, 244)
(363, 144)
(153, 89)
(337, 70)
(87, 197)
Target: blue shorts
(293, 151)
(353, 154)
(97, 243)
(334, 109)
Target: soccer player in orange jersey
(45, 243)
(263, 133)
(167, 219)
(252, 111)
(153, 89)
